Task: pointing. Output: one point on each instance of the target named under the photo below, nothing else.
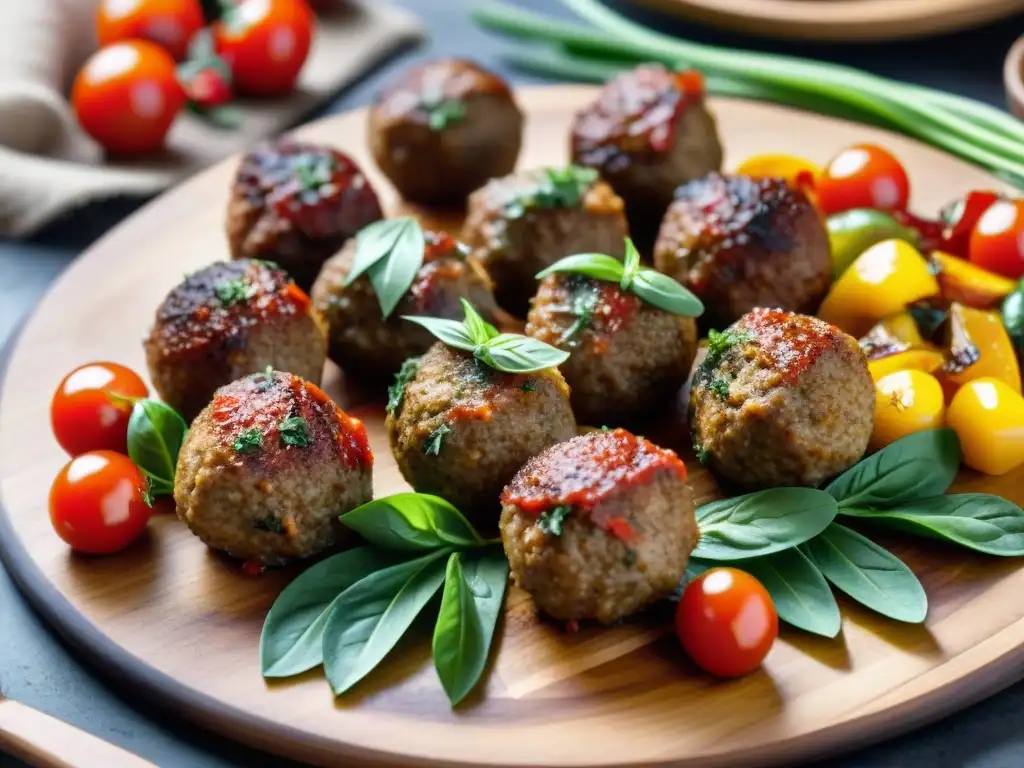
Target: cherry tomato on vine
(83, 414)
(726, 622)
(997, 242)
(168, 23)
(265, 42)
(127, 96)
(863, 176)
(99, 502)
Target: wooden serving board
(182, 624)
(841, 21)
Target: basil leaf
(393, 275)
(412, 522)
(631, 263)
(473, 594)
(663, 292)
(869, 574)
(451, 332)
(978, 521)
(761, 523)
(371, 616)
(800, 593)
(596, 265)
(291, 641)
(478, 328)
(920, 465)
(155, 434)
(373, 243)
(513, 353)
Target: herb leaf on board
(473, 593)
(370, 617)
(918, 466)
(291, 641)
(761, 523)
(868, 573)
(412, 522)
(155, 434)
(979, 521)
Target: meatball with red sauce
(647, 132)
(525, 222)
(267, 468)
(627, 358)
(740, 243)
(599, 527)
(227, 320)
(781, 399)
(444, 129)
(296, 203)
(362, 340)
(460, 429)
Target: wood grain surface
(849, 21)
(182, 624)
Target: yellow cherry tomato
(988, 417)
(795, 170)
(927, 360)
(998, 358)
(969, 284)
(906, 402)
(882, 281)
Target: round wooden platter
(182, 624)
(840, 20)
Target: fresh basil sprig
(391, 252)
(412, 522)
(649, 285)
(761, 523)
(155, 434)
(508, 352)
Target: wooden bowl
(1013, 77)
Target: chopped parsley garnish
(233, 291)
(396, 392)
(269, 523)
(444, 113)
(555, 188)
(605, 428)
(584, 304)
(551, 521)
(702, 453)
(719, 343)
(720, 387)
(249, 440)
(530, 385)
(294, 431)
(313, 170)
(436, 439)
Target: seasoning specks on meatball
(267, 468)
(599, 527)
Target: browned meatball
(362, 340)
(267, 468)
(740, 243)
(523, 223)
(599, 527)
(627, 358)
(444, 129)
(227, 320)
(781, 399)
(647, 132)
(296, 204)
(460, 429)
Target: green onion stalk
(969, 129)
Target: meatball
(647, 132)
(267, 468)
(296, 204)
(627, 357)
(781, 399)
(523, 223)
(740, 243)
(444, 129)
(227, 320)
(362, 340)
(460, 429)
(599, 527)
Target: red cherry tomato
(98, 502)
(127, 96)
(863, 176)
(265, 42)
(168, 23)
(997, 242)
(726, 622)
(83, 415)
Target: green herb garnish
(720, 342)
(233, 291)
(267, 381)
(249, 440)
(584, 304)
(396, 392)
(530, 385)
(444, 113)
(552, 520)
(436, 439)
(630, 559)
(294, 431)
(155, 434)
(701, 453)
(313, 170)
(269, 523)
(553, 188)
(720, 387)
(391, 252)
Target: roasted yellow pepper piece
(998, 360)
(927, 360)
(906, 402)
(962, 281)
(988, 417)
(789, 167)
(881, 281)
